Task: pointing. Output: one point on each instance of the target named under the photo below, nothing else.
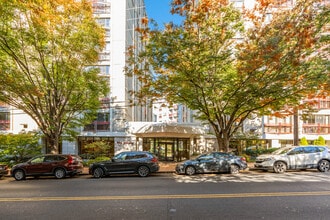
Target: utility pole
(295, 127)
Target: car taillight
(154, 160)
(70, 160)
(243, 159)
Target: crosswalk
(261, 177)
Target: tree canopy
(227, 63)
(45, 48)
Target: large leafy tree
(227, 63)
(45, 47)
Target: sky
(159, 10)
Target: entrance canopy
(170, 130)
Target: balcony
(281, 128)
(100, 7)
(316, 129)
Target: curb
(85, 171)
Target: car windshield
(205, 156)
(282, 150)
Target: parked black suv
(130, 162)
(58, 165)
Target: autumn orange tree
(228, 63)
(45, 48)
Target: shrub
(303, 141)
(98, 159)
(320, 141)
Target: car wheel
(234, 169)
(98, 172)
(279, 167)
(19, 175)
(324, 166)
(59, 173)
(190, 170)
(143, 171)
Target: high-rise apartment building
(120, 18)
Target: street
(251, 195)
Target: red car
(58, 165)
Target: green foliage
(303, 141)
(201, 65)
(45, 47)
(320, 141)
(97, 159)
(16, 148)
(97, 148)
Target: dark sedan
(131, 162)
(215, 162)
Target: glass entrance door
(165, 151)
(169, 152)
(168, 149)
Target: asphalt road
(255, 195)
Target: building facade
(312, 124)
(131, 127)
(120, 18)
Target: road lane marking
(154, 197)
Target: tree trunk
(52, 143)
(223, 142)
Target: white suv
(293, 158)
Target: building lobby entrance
(170, 142)
(168, 149)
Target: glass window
(38, 160)
(310, 150)
(206, 157)
(298, 150)
(49, 159)
(121, 156)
